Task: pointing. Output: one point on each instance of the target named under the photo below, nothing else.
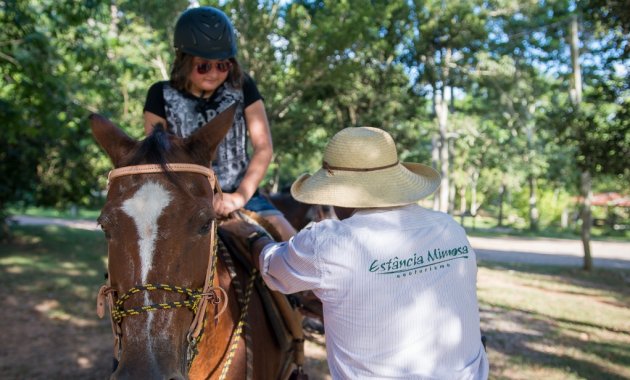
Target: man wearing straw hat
(397, 281)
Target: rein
(196, 299)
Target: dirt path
(606, 254)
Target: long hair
(183, 66)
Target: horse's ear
(203, 143)
(111, 138)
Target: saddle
(284, 317)
(306, 302)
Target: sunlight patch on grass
(575, 353)
(528, 371)
(530, 292)
(23, 261)
(14, 270)
(555, 323)
(83, 362)
(52, 309)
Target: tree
(440, 46)
(59, 62)
(594, 124)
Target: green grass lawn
(66, 264)
(541, 322)
(78, 213)
(547, 322)
(487, 226)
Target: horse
(180, 306)
(297, 213)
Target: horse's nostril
(177, 376)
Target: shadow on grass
(541, 343)
(613, 282)
(49, 277)
(570, 343)
(64, 264)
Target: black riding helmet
(205, 32)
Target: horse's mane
(156, 148)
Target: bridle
(196, 299)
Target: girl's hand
(230, 202)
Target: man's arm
(257, 242)
(254, 237)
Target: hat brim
(402, 184)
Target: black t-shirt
(155, 98)
(184, 113)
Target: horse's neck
(214, 346)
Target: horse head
(159, 226)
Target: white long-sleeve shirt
(398, 287)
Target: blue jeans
(261, 205)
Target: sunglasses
(206, 67)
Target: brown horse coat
(159, 227)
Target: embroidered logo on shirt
(433, 260)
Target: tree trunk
(275, 185)
(564, 219)
(474, 179)
(452, 190)
(576, 90)
(585, 178)
(533, 209)
(501, 194)
(435, 162)
(586, 216)
(441, 109)
(462, 203)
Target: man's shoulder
(326, 225)
(416, 216)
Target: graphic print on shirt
(185, 115)
(407, 265)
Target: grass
(555, 322)
(541, 321)
(63, 263)
(78, 213)
(487, 227)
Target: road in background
(606, 254)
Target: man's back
(398, 287)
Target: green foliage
(551, 203)
(321, 66)
(60, 62)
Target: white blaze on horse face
(145, 208)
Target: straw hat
(361, 169)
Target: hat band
(330, 168)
